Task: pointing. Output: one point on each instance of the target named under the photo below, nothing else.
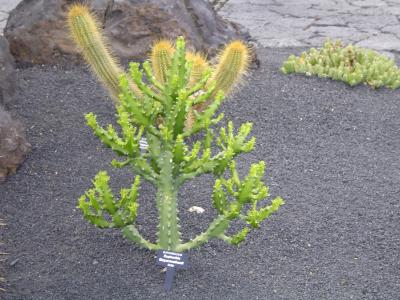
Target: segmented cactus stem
(85, 31)
(161, 56)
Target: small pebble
(14, 262)
(196, 209)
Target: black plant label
(172, 261)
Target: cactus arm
(249, 190)
(168, 236)
(125, 146)
(214, 230)
(201, 86)
(85, 31)
(204, 119)
(151, 78)
(137, 75)
(99, 201)
(237, 238)
(131, 233)
(233, 62)
(231, 145)
(179, 72)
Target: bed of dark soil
(332, 152)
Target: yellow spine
(161, 57)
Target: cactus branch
(85, 31)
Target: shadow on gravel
(333, 153)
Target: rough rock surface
(13, 144)
(285, 23)
(7, 73)
(37, 33)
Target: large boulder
(7, 73)
(36, 29)
(13, 144)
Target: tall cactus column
(85, 31)
(168, 228)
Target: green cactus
(349, 64)
(86, 32)
(170, 161)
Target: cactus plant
(170, 160)
(86, 32)
(350, 64)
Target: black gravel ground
(333, 153)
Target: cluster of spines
(350, 64)
(158, 110)
(85, 31)
(232, 64)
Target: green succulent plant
(154, 101)
(170, 161)
(350, 64)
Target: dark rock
(37, 33)
(13, 144)
(7, 73)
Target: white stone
(196, 209)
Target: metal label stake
(172, 261)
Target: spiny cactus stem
(131, 233)
(215, 230)
(225, 238)
(168, 229)
(86, 32)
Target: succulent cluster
(155, 100)
(351, 64)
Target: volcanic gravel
(332, 152)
